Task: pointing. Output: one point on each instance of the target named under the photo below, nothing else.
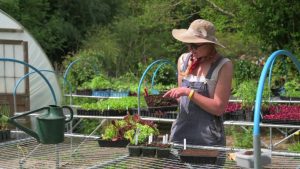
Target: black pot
(109, 143)
(134, 151)
(163, 152)
(149, 151)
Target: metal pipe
(35, 69)
(142, 79)
(159, 66)
(258, 100)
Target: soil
(158, 145)
(199, 153)
(248, 152)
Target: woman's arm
(217, 104)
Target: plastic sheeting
(40, 94)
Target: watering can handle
(71, 113)
(30, 112)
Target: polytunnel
(16, 43)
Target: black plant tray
(159, 101)
(199, 156)
(134, 151)
(86, 92)
(235, 116)
(149, 151)
(291, 122)
(103, 113)
(163, 152)
(158, 114)
(162, 109)
(109, 143)
(5, 135)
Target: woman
(204, 80)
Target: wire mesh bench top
(75, 153)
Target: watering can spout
(13, 122)
(50, 124)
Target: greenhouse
(101, 108)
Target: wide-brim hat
(200, 31)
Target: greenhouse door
(10, 73)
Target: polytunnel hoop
(36, 70)
(258, 100)
(163, 62)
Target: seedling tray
(198, 156)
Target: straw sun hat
(200, 31)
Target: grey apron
(193, 123)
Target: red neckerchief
(195, 64)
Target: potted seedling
(134, 149)
(84, 89)
(113, 134)
(100, 86)
(4, 130)
(163, 149)
(139, 134)
(158, 105)
(247, 93)
(245, 158)
(149, 150)
(198, 156)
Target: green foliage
(246, 91)
(145, 132)
(167, 75)
(100, 82)
(66, 23)
(242, 139)
(123, 103)
(292, 88)
(85, 67)
(4, 110)
(295, 147)
(245, 70)
(87, 126)
(126, 128)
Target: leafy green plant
(115, 130)
(245, 71)
(100, 82)
(126, 128)
(294, 147)
(246, 91)
(292, 88)
(145, 127)
(242, 139)
(4, 110)
(115, 104)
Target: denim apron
(193, 123)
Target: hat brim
(184, 36)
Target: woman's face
(201, 49)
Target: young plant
(242, 139)
(292, 88)
(100, 82)
(294, 147)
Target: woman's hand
(177, 92)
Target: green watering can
(50, 125)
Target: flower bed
(283, 114)
(234, 112)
